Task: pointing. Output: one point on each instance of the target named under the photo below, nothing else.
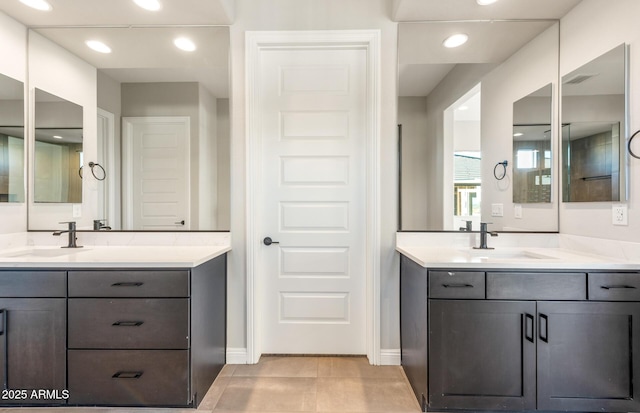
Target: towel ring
(504, 172)
(92, 165)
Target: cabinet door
(482, 355)
(32, 349)
(588, 356)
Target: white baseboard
(390, 357)
(236, 355)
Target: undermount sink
(41, 252)
(505, 254)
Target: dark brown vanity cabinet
(554, 341)
(146, 337)
(32, 336)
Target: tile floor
(293, 384)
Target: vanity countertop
(110, 256)
(507, 257)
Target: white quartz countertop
(507, 257)
(110, 256)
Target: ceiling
(422, 60)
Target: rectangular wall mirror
(532, 151)
(12, 145)
(454, 112)
(58, 161)
(593, 129)
(162, 126)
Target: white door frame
(107, 124)
(256, 43)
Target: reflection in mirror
(163, 125)
(11, 140)
(593, 119)
(58, 150)
(441, 176)
(532, 147)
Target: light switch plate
(497, 210)
(619, 215)
(77, 210)
(517, 211)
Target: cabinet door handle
(616, 287)
(128, 284)
(128, 375)
(544, 337)
(528, 327)
(457, 285)
(128, 323)
(5, 341)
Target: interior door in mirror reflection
(594, 102)
(156, 173)
(58, 150)
(11, 140)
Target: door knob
(179, 222)
(268, 241)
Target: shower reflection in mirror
(594, 101)
(58, 150)
(11, 140)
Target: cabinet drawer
(35, 284)
(128, 323)
(129, 283)
(536, 286)
(456, 284)
(614, 286)
(129, 377)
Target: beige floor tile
(336, 394)
(215, 392)
(356, 367)
(279, 367)
(228, 370)
(268, 394)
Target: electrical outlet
(517, 211)
(619, 215)
(497, 210)
(77, 210)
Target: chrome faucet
(72, 235)
(467, 227)
(483, 237)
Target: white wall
(589, 30)
(56, 71)
(13, 46)
(314, 15)
(412, 115)
(224, 164)
(532, 67)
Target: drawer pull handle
(133, 284)
(617, 287)
(457, 285)
(128, 375)
(128, 323)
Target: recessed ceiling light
(37, 4)
(185, 44)
(455, 40)
(57, 137)
(152, 5)
(518, 134)
(98, 46)
(485, 2)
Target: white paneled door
(156, 173)
(313, 200)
